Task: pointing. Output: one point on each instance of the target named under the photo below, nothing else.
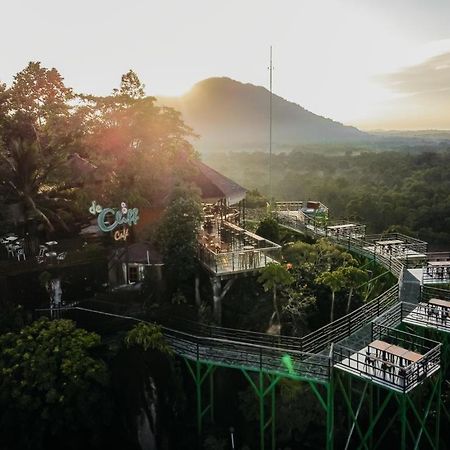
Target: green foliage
(254, 199)
(148, 143)
(274, 275)
(138, 147)
(315, 266)
(178, 235)
(52, 384)
(38, 130)
(408, 187)
(12, 317)
(269, 228)
(147, 336)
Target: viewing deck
(225, 249)
(393, 359)
(436, 272)
(307, 213)
(434, 314)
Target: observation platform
(394, 359)
(225, 249)
(436, 272)
(434, 314)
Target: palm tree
(27, 178)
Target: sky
(374, 64)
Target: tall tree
(178, 235)
(354, 278)
(143, 146)
(335, 281)
(272, 277)
(53, 388)
(27, 180)
(39, 128)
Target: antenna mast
(270, 130)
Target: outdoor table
(12, 238)
(389, 242)
(379, 346)
(51, 243)
(51, 255)
(338, 227)
(398, 352)
(439, 302)
(254, 236)
(413, 356)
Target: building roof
(81, 168)
(141, 252)
(214, 186)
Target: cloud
(430, 77)
(421, 95)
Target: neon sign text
(122, 216)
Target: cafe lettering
(109, 219)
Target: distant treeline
(406, 191)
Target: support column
(262, 390)
(199, 376)
(218, 295)
(414, 421)
(327, 403)
(330, 413)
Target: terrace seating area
(14, 246)
(17, 248)
(436, 272)
(394, 359)
(399, 246)
(346, 230)
(225, 247)
(433, 314)
(309, 213)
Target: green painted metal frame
(444, 338)
(407, 412)
(326, 400)
(199, 376)
(263, 389)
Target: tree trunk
(332, 306)
(275, 305)
(198, 300)
(217, 301)
(349, 300)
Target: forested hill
(410, 191)
(228, 114)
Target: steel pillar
(414, 413)
(326, 400)
(264, 388)
(200, 373)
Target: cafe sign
(109, 219)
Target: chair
(10, 249)
(21, 253)
(43, 250)
(61, 256)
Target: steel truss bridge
(373, 406)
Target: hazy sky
(369, 63)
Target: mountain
(228, 114)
